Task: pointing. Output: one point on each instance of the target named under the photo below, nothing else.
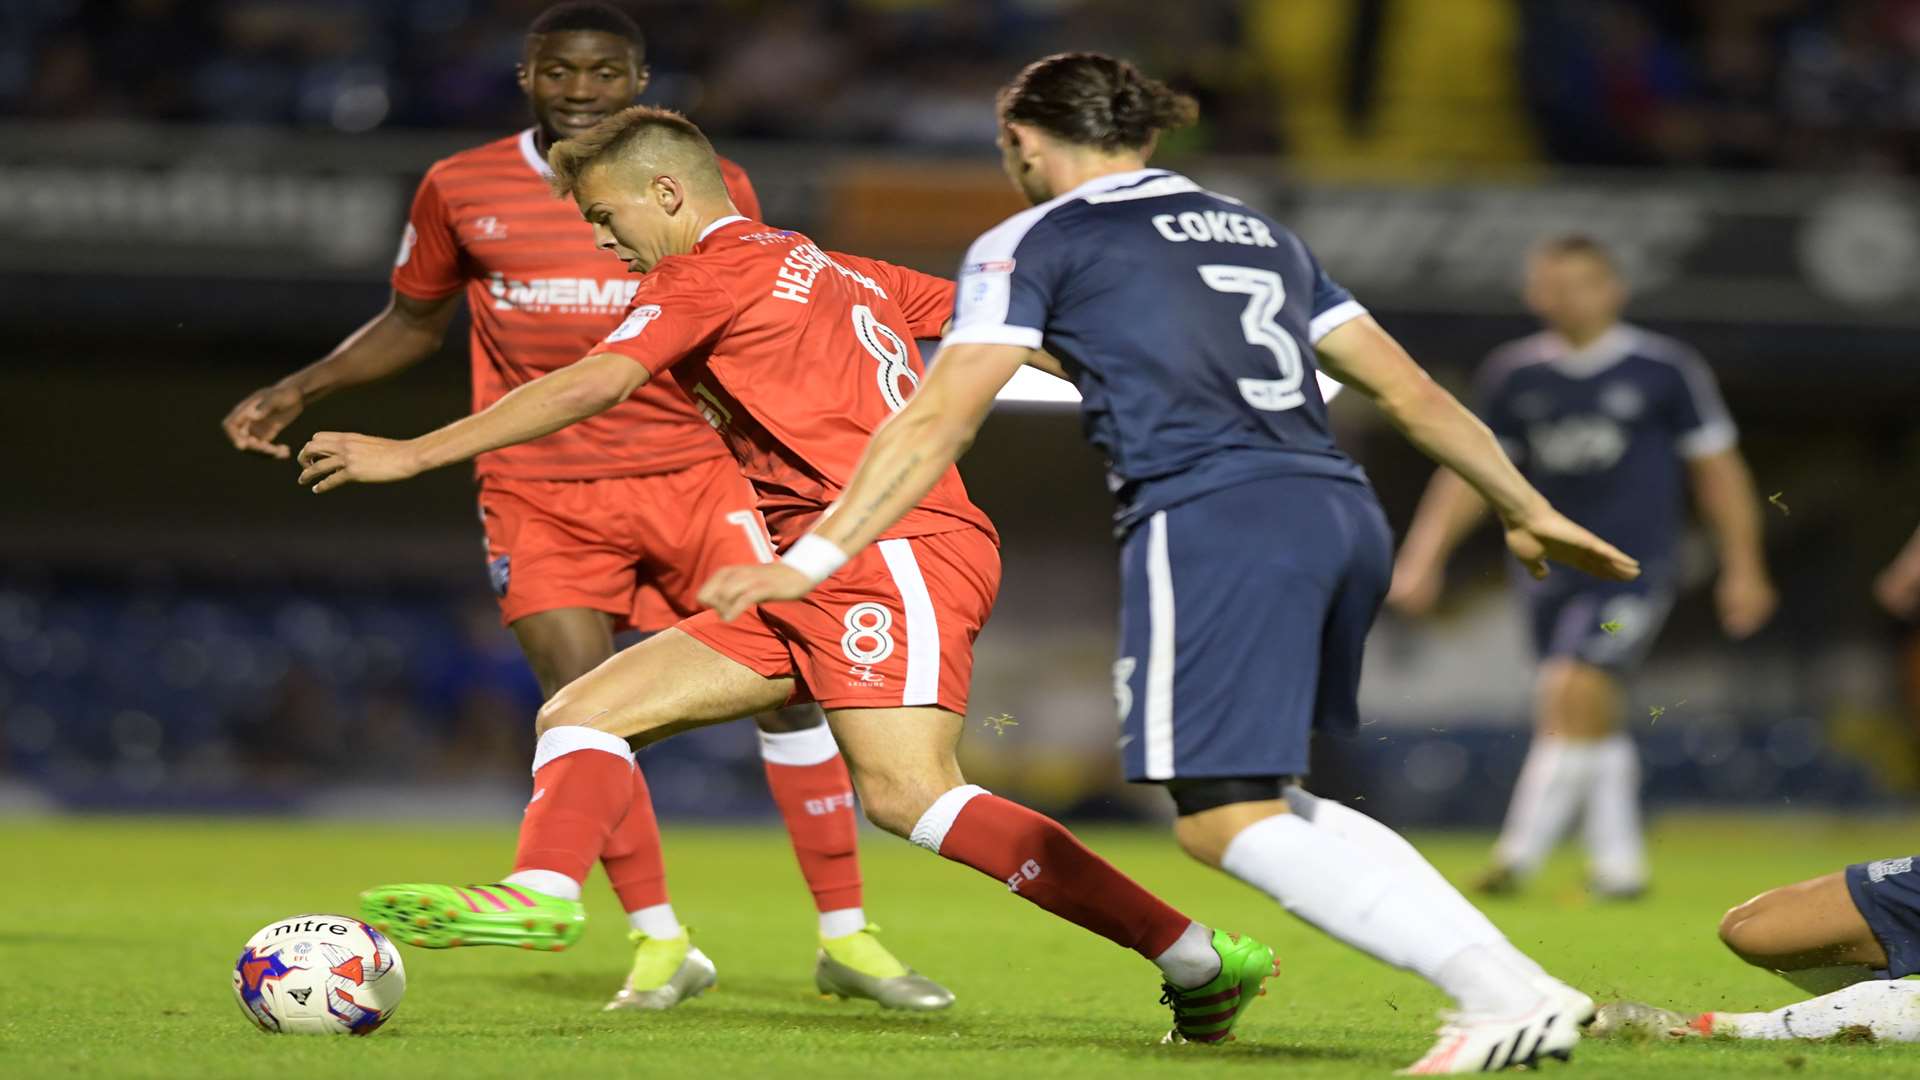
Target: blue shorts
(1243, 618)
(1887, 893)
(1607, 624)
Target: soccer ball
(319, 975)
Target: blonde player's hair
(645, 136)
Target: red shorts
(894, 627)
(635, 547)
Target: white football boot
(1470, 1043)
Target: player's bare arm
(908, 455)
(545, 405)
(407, 332)
(1040, 359)
(1448, 512)
(1362, 355)
(1724, 492)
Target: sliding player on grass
(1851, 937)
(1254, 553)
(796, 356)
(610, 525)
(1613, 423)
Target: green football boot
(666, 972)
(449, 916)
(858, 966)
(1207, 1013)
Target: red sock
(635, 864)
(817, 802)
(582, 788)
(1039, 859)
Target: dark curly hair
(1094, 100)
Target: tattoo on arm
(900, 477)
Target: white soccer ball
(319, 975)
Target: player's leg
(570, 582)
(1631, 620)
(1581, 757)
(1230, 723)
(909, 781)
(694, 521)
(584, 785)
(810, 784)
(1575, 709)
(887, 646)
(1887, 1010)
(562, 646)
(1812, 932)
(1857, 930)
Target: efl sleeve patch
(636, 321)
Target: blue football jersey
(1186, 320)
(1605, 431)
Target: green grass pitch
(118, 939)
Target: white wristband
(815, 556)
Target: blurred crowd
(1347, 85)
(1812, 84)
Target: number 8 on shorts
(867, 640)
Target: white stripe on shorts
(1160, 659)
(923, 630)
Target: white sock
(1190, 961)
(551, 882)
(657, 922)
(842, 921)
(808, 746)
(1615, 844)
(1888, 1008)
(1342, 889)
(1553, 783)
(558, 742)
(1417, 875)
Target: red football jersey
(795, 356)
(541, 295)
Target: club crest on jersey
(1622, 401)
(636, 321)
(489, 228)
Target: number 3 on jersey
(1260, 323)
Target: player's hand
(261, 415)
(333, 458)
(1548, 535)
(1745, 602)
(1898, 588)
(734, 589)
(1415, 590)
